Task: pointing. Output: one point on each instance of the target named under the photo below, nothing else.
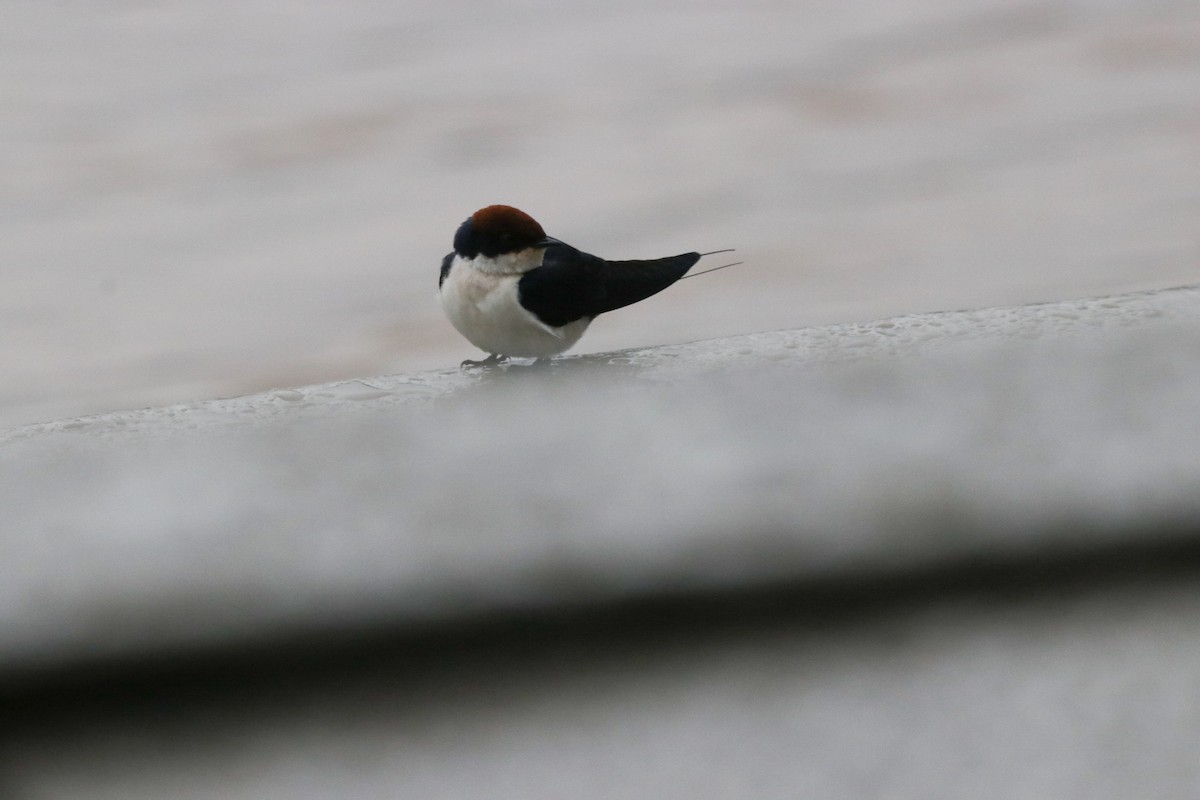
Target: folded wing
(571, 284)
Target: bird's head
(497, 230)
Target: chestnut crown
(497, 230)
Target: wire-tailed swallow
(511, 290)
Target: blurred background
(208, 199)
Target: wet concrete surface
(922, 557)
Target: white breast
(480, 298)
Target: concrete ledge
(784, 457)
(949, 555)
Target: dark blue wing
(445, 269)
(566, 287)
(571, 284)
(628, 282)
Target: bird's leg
(490, 361)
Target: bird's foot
(490, 361)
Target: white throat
(517, 263)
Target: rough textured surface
(935, 556)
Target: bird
(513, 291)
